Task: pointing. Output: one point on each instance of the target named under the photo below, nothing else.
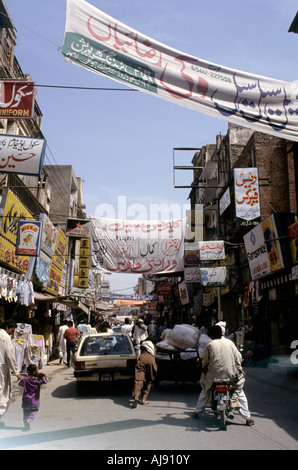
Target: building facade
(263, 302)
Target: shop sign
(17, 99)
(58, 264)
(8, 256)
(48, 236)
(212, 250)
(192, 274)
(62, 286)
(213, 277)
(42, 267)
(183, 293)
(247, 200)
(165, 289)
(60, 250)
(294, 273)
(224, 201)
(191, 258)
(13, 212)
(293, 239)
(55, 275)
(152, 305)
(29, 234)
(263, 249)
(78, 228)
(84, 262)
(21, 155)
(208, 296)
(105, 292)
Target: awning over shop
(43, 297)
(65, 300)
(76, 304)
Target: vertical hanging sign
(84, 262)
(247, 200)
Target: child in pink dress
(31, 393)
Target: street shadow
(12, 428)
(271, 402)
(121, 393)
(264, 402)
(92, 391)
(169, 419)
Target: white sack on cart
(165, 346)
(184, 336)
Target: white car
(104, 357)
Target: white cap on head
(222, 324)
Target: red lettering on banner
(153, 56)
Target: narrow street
(103, 420)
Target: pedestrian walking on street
(83, 328)
(140, 333)
(31, 393)
(62, 342)
(127, 327)
(145, 373)
(71, 335)
(7, 364)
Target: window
(105, 345)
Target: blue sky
(121, 142)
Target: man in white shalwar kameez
(140, 334)
(62, 342)
(7, 364)
(222, 360)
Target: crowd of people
(218, 353)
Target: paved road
(104, 420)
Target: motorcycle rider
(222, 360)
(243, 410)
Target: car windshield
(105, 345)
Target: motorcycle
(221, 402)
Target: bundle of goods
(181, 337)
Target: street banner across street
(104, 45)
(134, 246)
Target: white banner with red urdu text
(133, 246)
(102, 44)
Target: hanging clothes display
(23, 330)
(28, 348)
(36, 351)
(16, 288)
(20, 348)
(20, 343)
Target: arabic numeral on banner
(195, 68)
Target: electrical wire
(85, 88)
